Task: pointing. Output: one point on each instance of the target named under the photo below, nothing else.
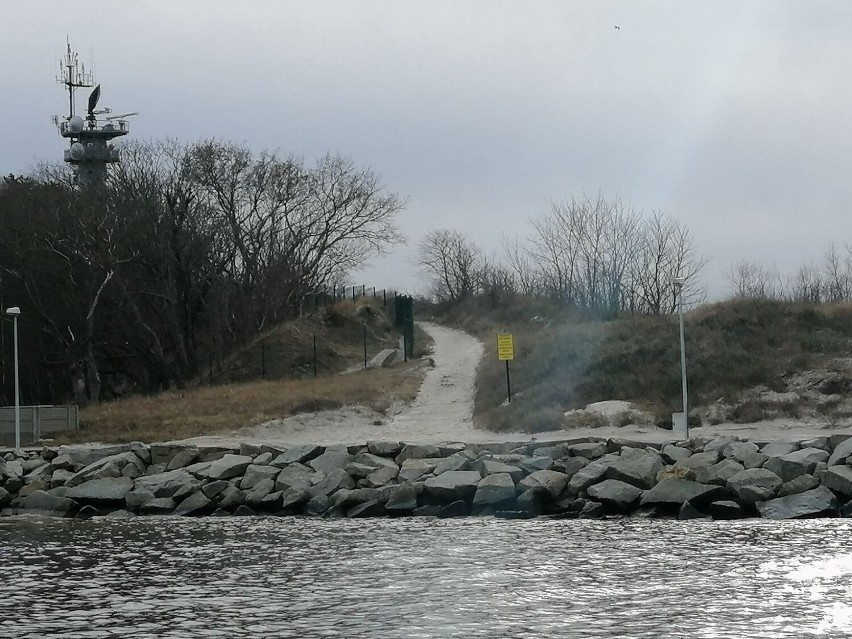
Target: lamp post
(14, 312)
(678, 284)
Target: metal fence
(37, 422)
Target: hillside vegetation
(746, 360)
(270, 379)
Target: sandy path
(443, 412)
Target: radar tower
(89, 149)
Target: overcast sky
(733, 117)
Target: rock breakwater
(586, 478)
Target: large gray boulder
(674, 492)
(754, 460)
(754, 484)
(135, 499)
(590, 450)
(255, 474)
(231, 498)
(494, 489)
(413, 451)
(719, 473)
(87, 455)
(739, 451)
(158, 506)
(838, 479)
(182, 458)
(332, 482)
(616, 494)
(111, 466)
(291, 498)
(570, 465)
(453, 485)
(413, 469)
(229, 466)
(372, 508)
(330, 460)
(585, 477)
(808, 455)
(533, 464)
(12, 469)
(488, 467)
(402, 498)
(456, 461)
(258, 491)
(699, 460)
(347, 498)
(549, 482)
(167, 484)
(101, 491)
(375, 461)
(725, 509)
(842, 451)
(779, 448)
(639, 470)
(672, 453)
(40, 503)
(788, 469)
(798, 485)
(295, 475)
(297, 454)
(380, 477)
(383, 448)
(813, 503)
(195, 504)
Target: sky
(732, 117)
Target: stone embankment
(721, 478)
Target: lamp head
(13, 311)
(678, 282)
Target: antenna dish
(93, 99)
(75, 124)
(77, 151)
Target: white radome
(75, 124)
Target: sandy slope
(443, 412)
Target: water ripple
(293, 577)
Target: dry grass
(219, 409)
(565, 360)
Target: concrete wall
(36, 422)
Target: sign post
(506, 352)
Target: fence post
(263, 360)
(365, 345)
(315, 354)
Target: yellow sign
(505, 347)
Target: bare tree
(452, 264)
(754, 280)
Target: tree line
(188, 252)
(592, 253)
(827, 280)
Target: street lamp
(678, 286)
(14, 312)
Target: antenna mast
(73, 74)
(90, 148)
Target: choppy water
(291, 577)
